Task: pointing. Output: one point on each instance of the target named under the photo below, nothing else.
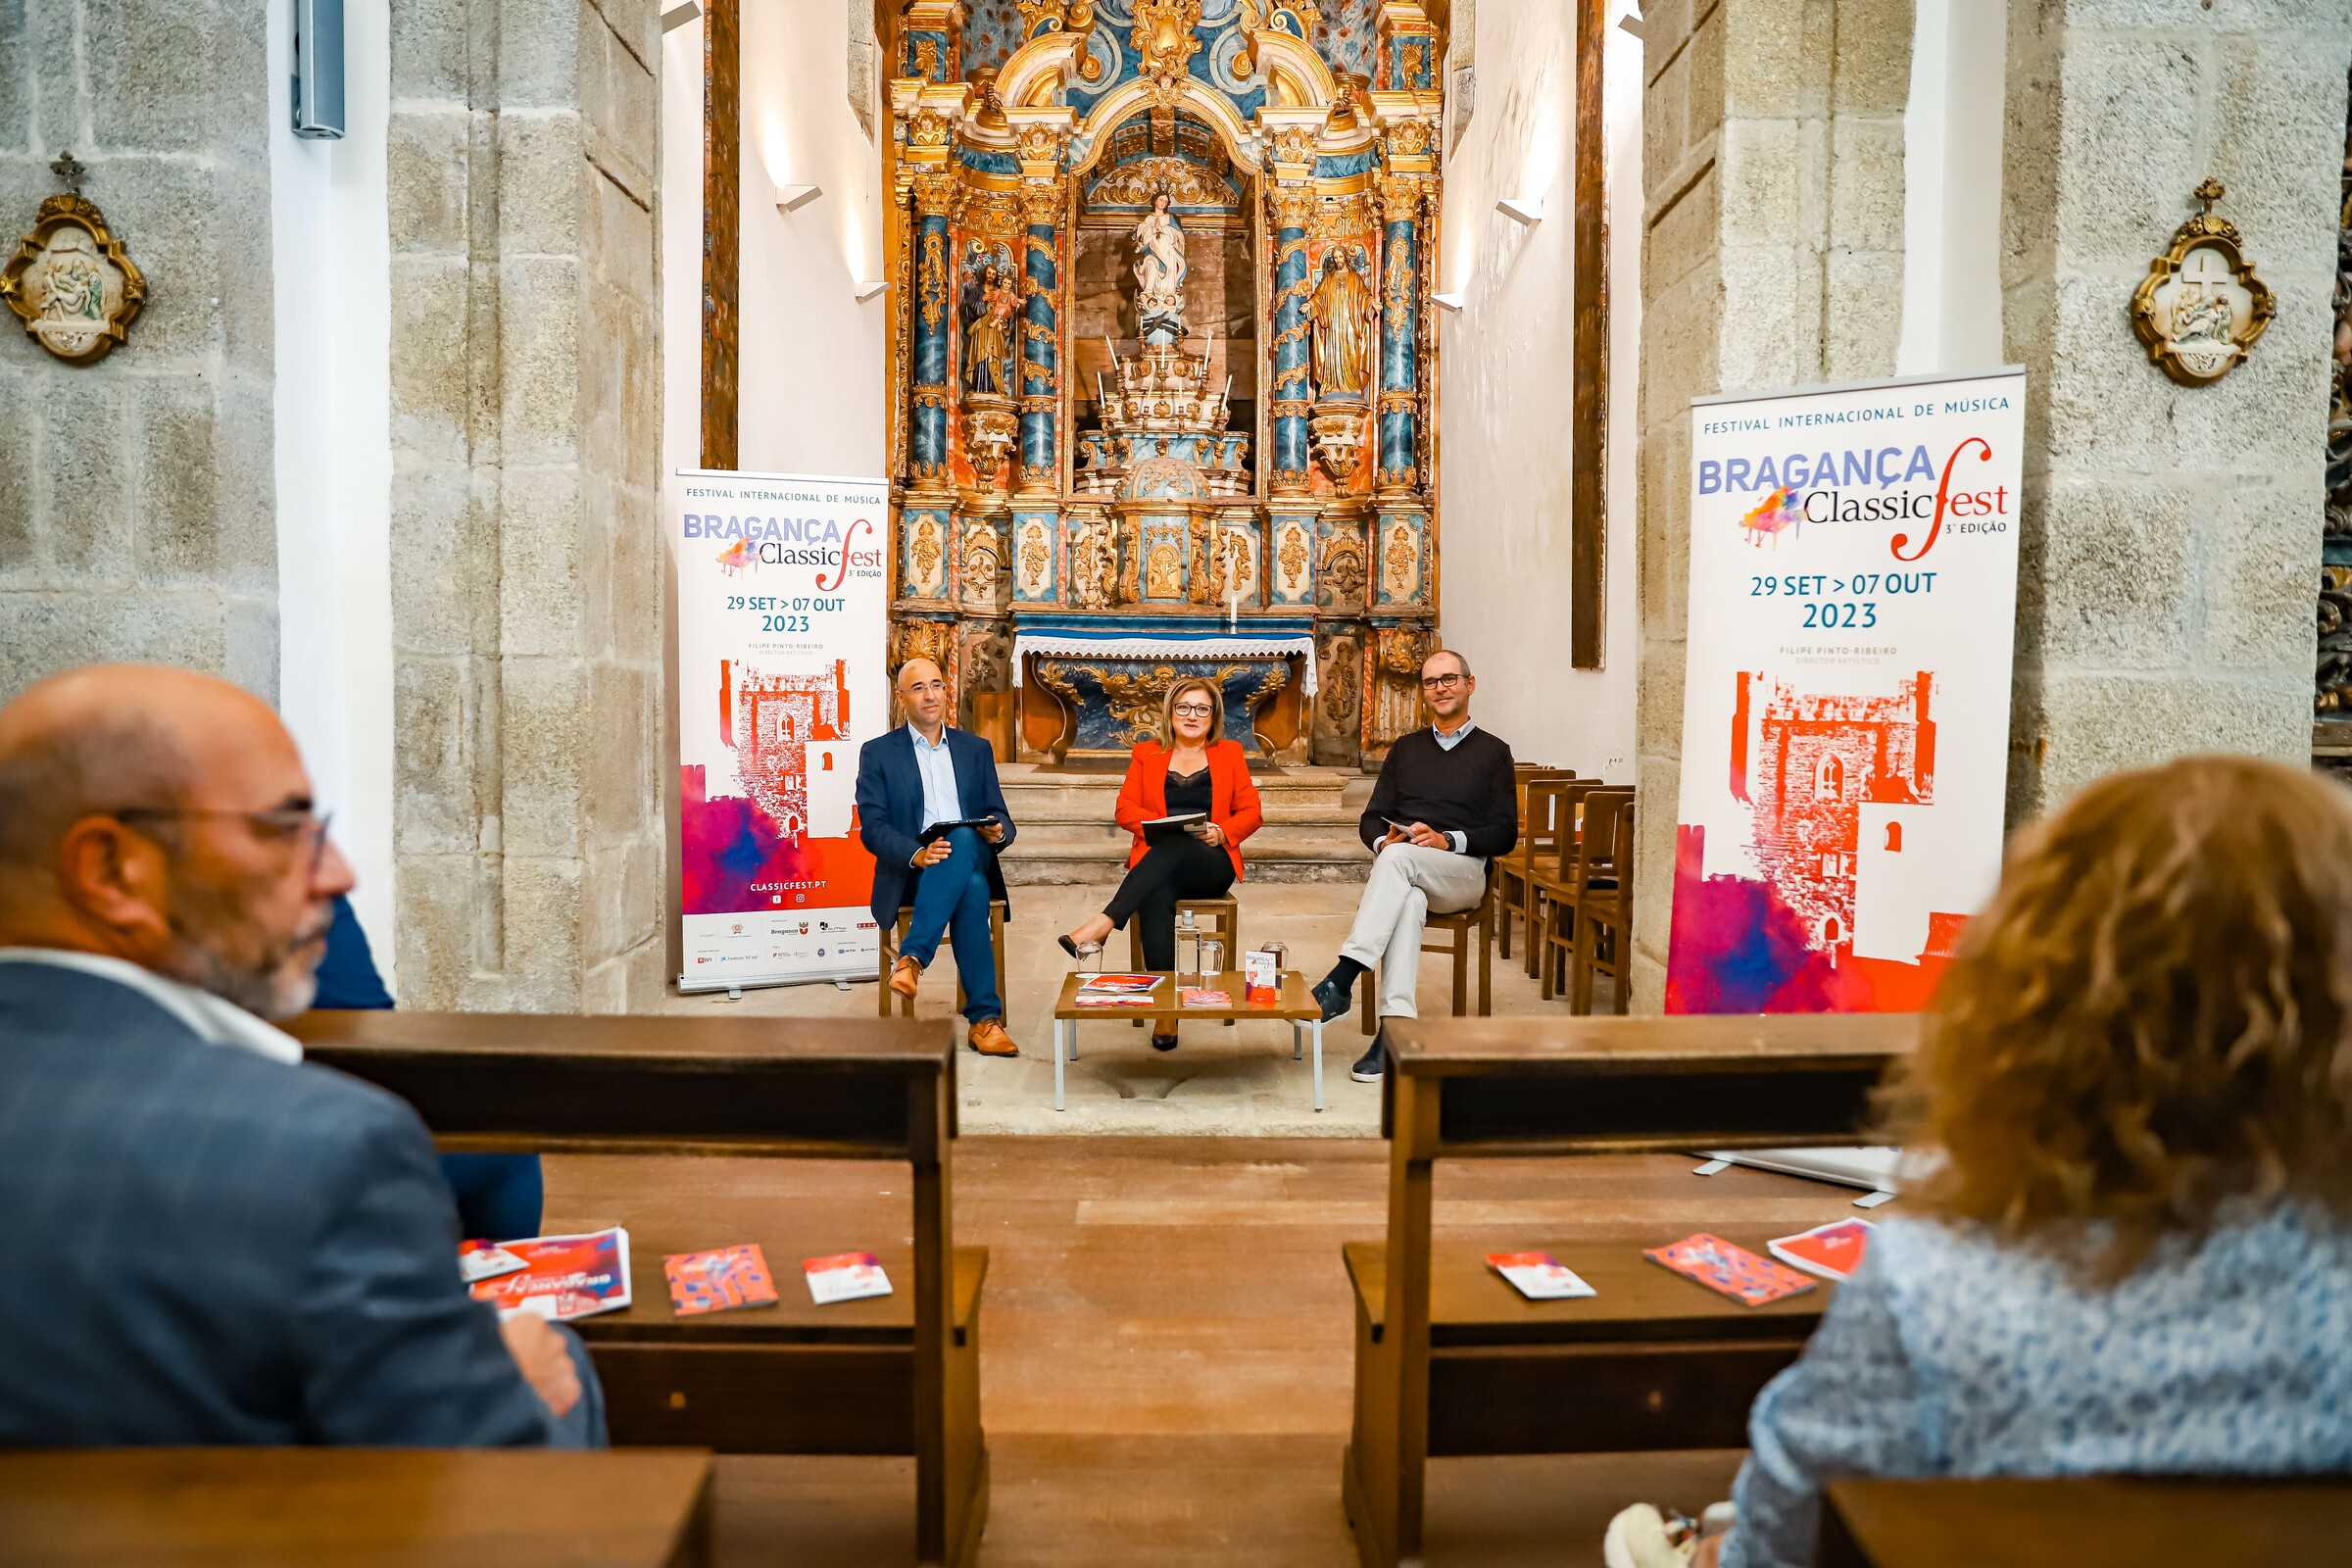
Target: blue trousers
(499, 1195)
(951, 898)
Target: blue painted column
(1399, 332)
(1294, 398)
(934, 309)
(1040, 459)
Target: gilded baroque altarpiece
(1164, 360)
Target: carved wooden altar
(1164, 353)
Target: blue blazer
(199, 1246)
(890, 810)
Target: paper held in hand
(559, 1277)
(1160, 827)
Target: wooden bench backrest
(1567, 1085)
(857, 1088)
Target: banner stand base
(743, 983)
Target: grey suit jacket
(201, 1246)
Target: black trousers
(1177, 867)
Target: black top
(1188, 792)
(1469, 790)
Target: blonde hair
(2148, 1025)
(1216, 708)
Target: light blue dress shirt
(1948, 1354)
(1447, 743)
(940, 803)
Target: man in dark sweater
(1445, 805)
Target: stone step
(1067, 831)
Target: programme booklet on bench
(558, 1277)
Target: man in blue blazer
(203, 1240)
(919, 775)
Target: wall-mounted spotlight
(1522, 209)
(677, 17)
(866, 291)
(791, 198)
(1448, 302)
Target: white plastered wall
(331, 260)
(1952, 188)
(1505, 389)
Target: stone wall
(1773, 178)
(526, 545)
(2170, 535)
(137, 518)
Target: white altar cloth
(1205, 645)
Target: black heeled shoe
(1163, 1042)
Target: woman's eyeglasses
(1194, 710)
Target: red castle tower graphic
(770, 721)
(1806, 763)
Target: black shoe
(1163, 1042)
(1373, 1064)
(1334, 999)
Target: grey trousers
(1406, 883)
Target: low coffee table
(1297, 1008)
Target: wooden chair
(996, 910)
(1553, 934)
(1459, 928)
(898, 1374)
(1224, 922)
(1543, 823)
(1437, 1373)
(1604, 915)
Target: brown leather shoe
(905, 975)
(989, 1038)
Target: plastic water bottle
(1187, 949)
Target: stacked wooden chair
(1539, 834)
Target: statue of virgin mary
(1159, 268)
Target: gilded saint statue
(1160, 267)
(989, 302)
(1340, 308)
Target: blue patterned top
(1947, 1354)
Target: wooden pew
(894, 1374)
(2087, 1522)
(1647, 1362)
(354, 1507)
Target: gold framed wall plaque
(71, 282)
(2200, 307)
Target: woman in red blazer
(1202, 771)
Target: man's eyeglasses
(289, 822)
(1439, 683)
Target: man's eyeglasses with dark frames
(1439, 683)
(286, 822)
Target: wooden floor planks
(1165, 1343)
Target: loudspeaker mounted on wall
(319, 70)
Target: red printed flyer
(1834, 1250)
(562, 1277)
(1734, 1271)
(845, 1277)
(721, 1278)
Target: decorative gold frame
(62, 212)
(2203, 231)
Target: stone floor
(1237, 1081)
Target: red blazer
(1232, 798)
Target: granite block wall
(527, 566)
(2169, 536)
(137, 511)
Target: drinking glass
(1212, 958)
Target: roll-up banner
(781, 629)
(1845, 701)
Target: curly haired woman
(2131, 1249)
